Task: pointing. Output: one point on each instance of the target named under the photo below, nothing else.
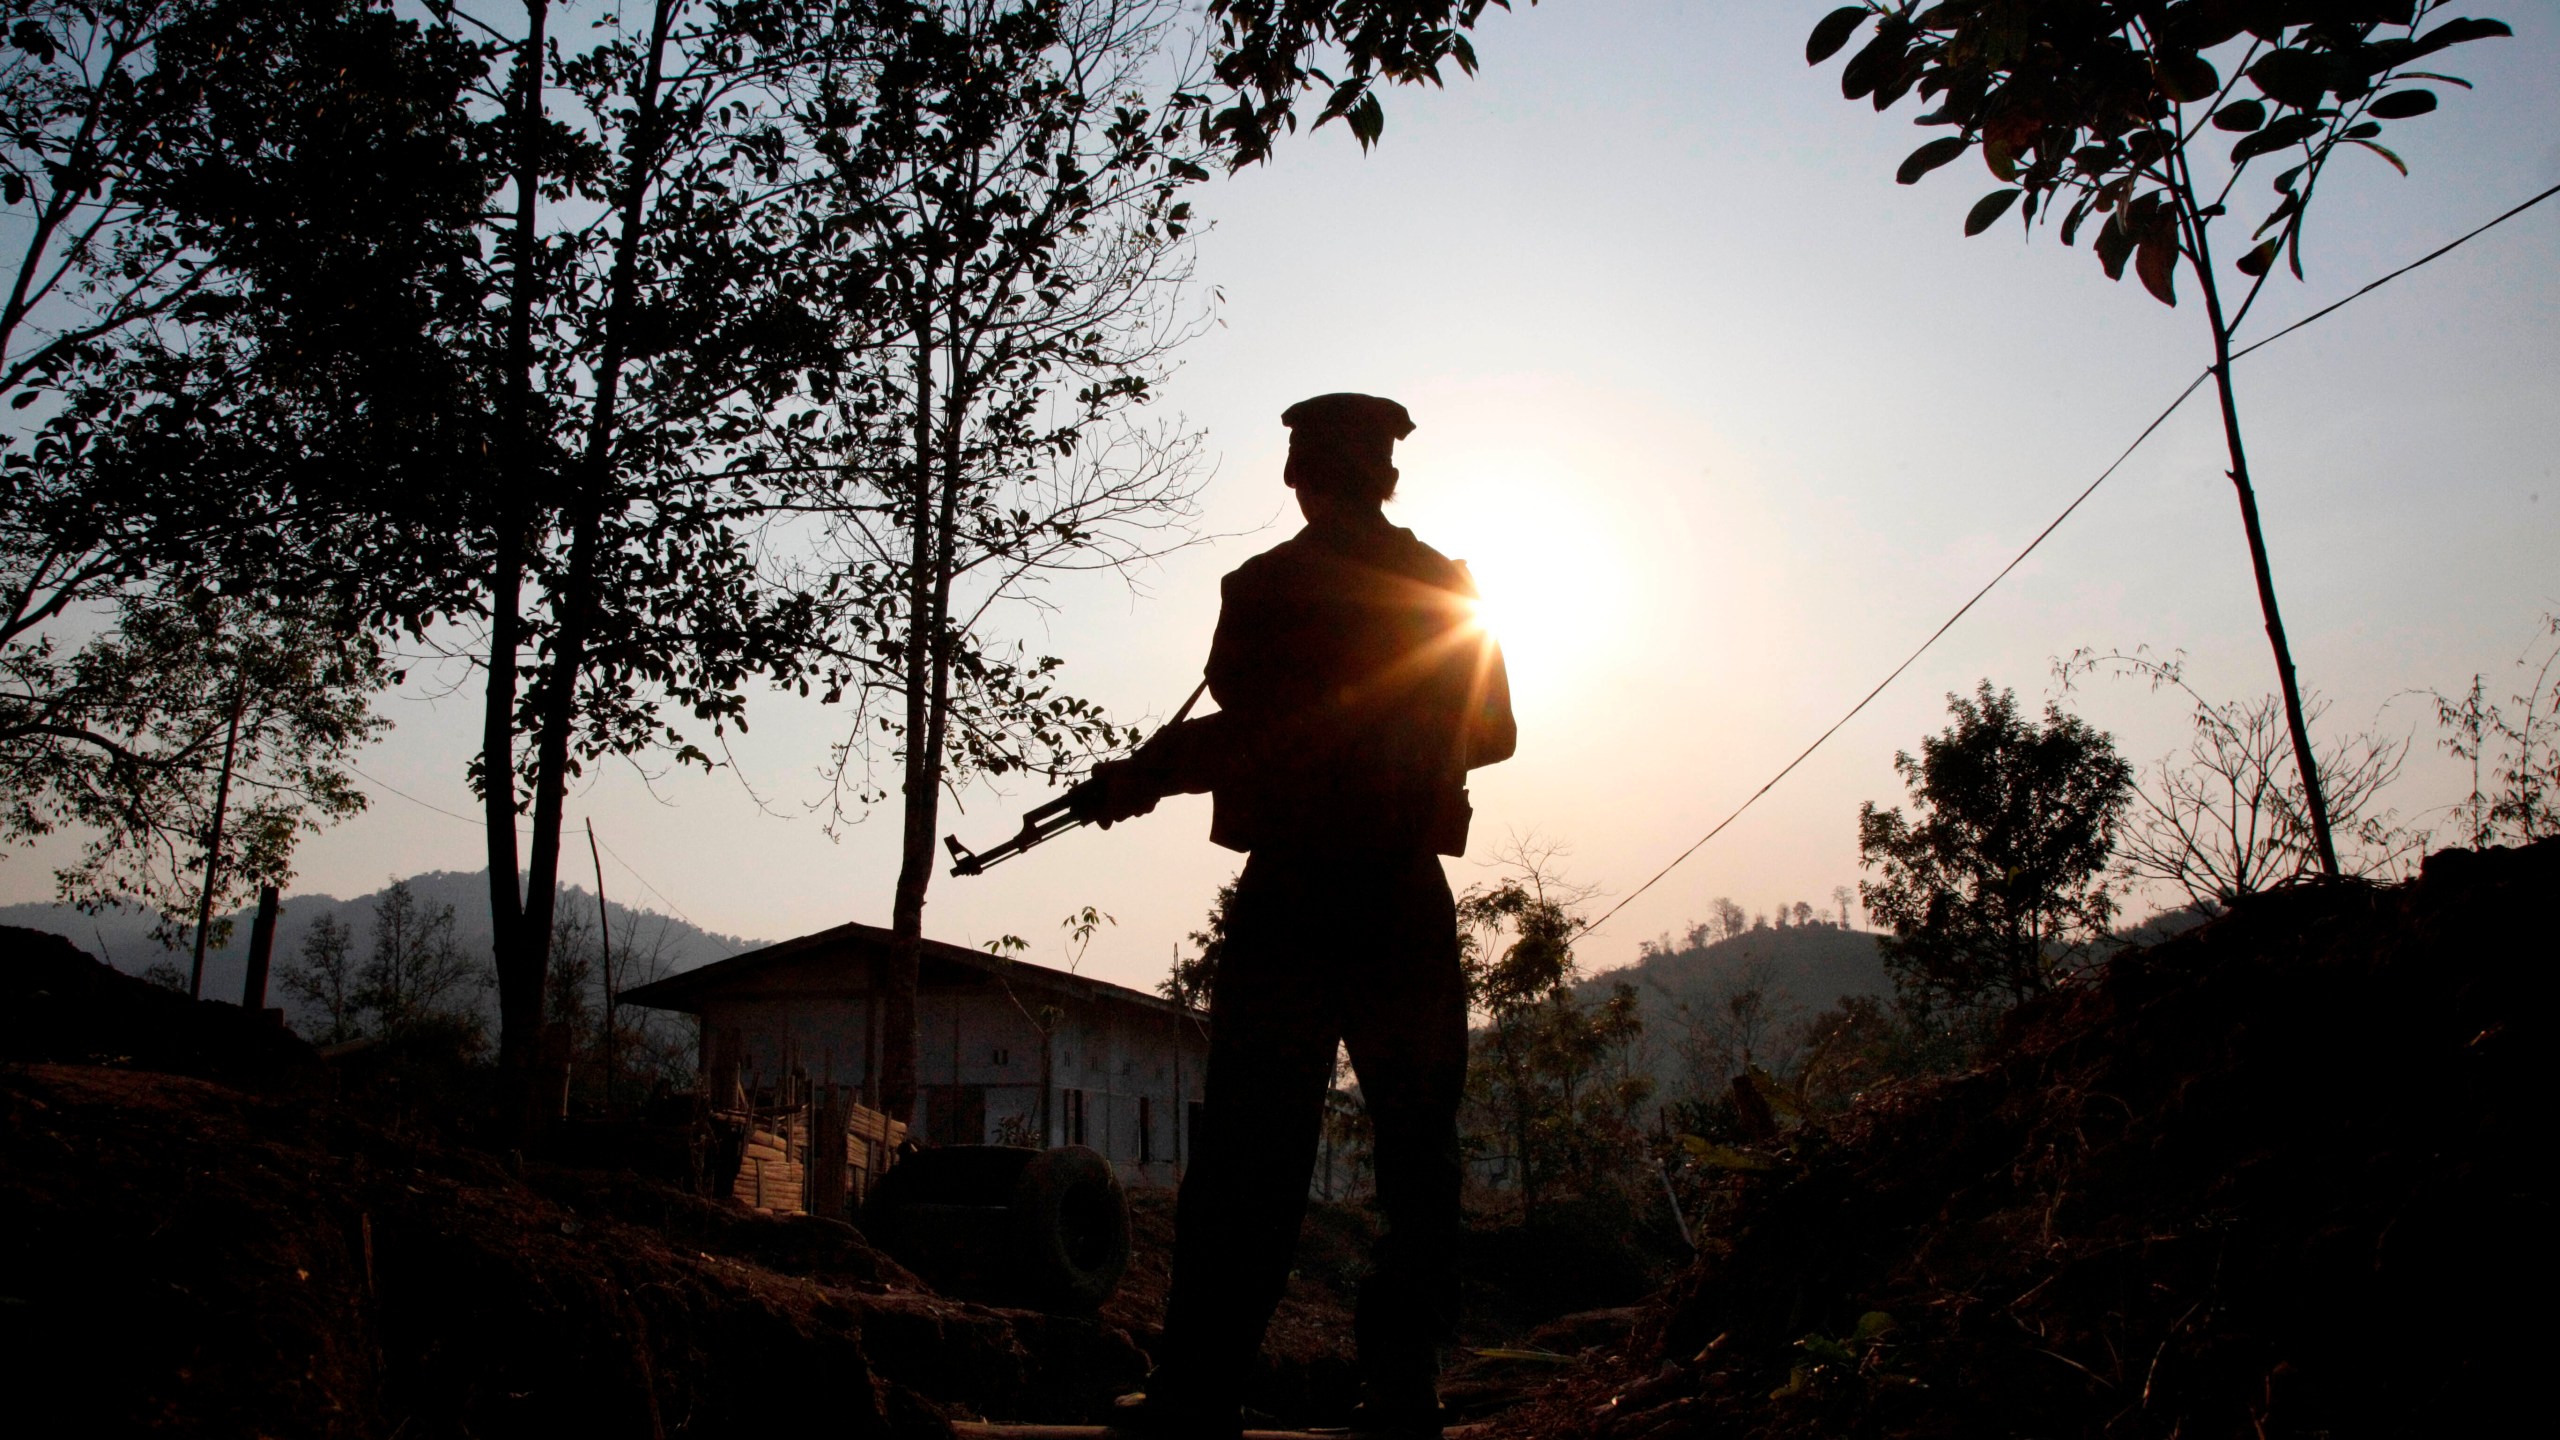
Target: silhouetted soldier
(1355, 690)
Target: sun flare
(1553, 580)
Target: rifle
(1046, 822)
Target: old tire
(942, 1213)
(1005, 1224)
(1070, 1224)
(950, 1175)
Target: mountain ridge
(664, 944)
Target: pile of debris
(2276, 1176)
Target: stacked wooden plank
(871, 1147)
(772, 1171)
(817, 1158)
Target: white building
(1008, 1052)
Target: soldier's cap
(1347, 420)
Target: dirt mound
(194, 1210)
(58, 1004)
(2278, 1176)
(243, 1263)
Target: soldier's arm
(1190, 757)
(1491, 734)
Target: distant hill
(123, 938)
(1803, 970)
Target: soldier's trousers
(1360, 949)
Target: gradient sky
(1726, 422)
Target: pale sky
(1726, 422)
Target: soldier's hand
(1119, 790)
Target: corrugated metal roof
(841, 959)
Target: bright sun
(1555, 582)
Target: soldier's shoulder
(1278, 565)
(1425, 563)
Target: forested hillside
(650, 942)
(1706, 1003)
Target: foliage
(324, 978)
(1007, 196)
(2514, 753)
(645, 1050)
(1553, 1078)
(223, 215)
(1264, 50)
(1195, 976)
(1994, 887)
(1846, 1366)
(2101, 103)
(187, 704)
(2105, 103)
(2228, 818)
(216, 212)
(643, 322)
(410, 980)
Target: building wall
(979, 1068)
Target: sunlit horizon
(1725, 422)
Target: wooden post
(604, 937)
(262, 946)
(828, 1187)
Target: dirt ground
(2279, 1176)
(259, 1243)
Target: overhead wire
(2056, 523)
(1909, 660)
(483, 824)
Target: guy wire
(2015, 561)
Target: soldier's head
(1342, 447)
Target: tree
(1738, 1029)
(2228, 818)
(1554, 1074)
(1730, 920)
(612, 1046)
(1046, 1019)
(1010, 194)
(1841, 895)
(643, 333)
(2105, 103)
(1995, 885)
(324, 978)
(1195, 976)
(2513, 751)
(413, 967)
(196, 738)
(1263, 59)
(177, 339)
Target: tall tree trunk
(2295, 722)
(519, 977)
(213, 839)
(896, 972)
(575, 607)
